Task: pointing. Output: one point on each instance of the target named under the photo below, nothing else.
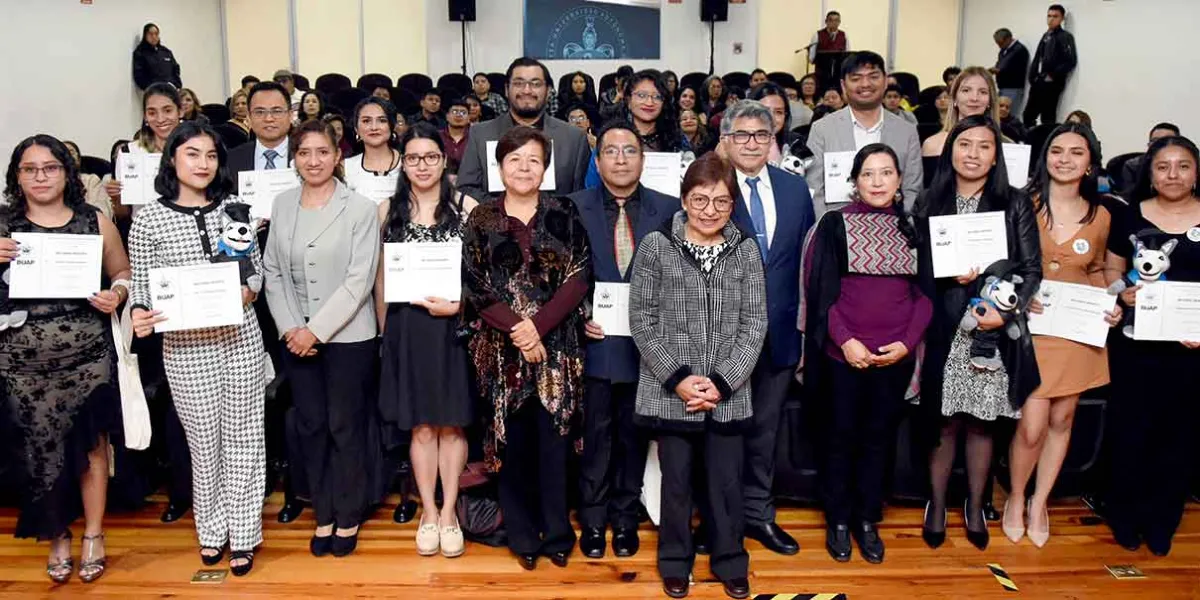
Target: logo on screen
(600, 38)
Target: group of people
(753, 279)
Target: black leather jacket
(152, 64)
(1055, 56)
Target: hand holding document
(610, 308)
(197, 296)
(1074, 312)
(960, 243)
(1168, 311)
(375, 187)
(136, 172)
(837, 176)
(417, 270)
(663, 172)
(259, 189)
(56, 265)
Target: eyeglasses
(723, 204)
(458, 112)
(275, 113)
(761, 136)
(51, 171)
(520, 84)
(644, 96)
(612, 152)
(578, 118)
(432, 159)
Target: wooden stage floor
(149, 559)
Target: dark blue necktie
(758, 215)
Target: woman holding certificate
(527, 269)
(320, 267)
(425, 386)
(216, 373)
(956, 393)
(1152, 427)
(374, 121)
(162, 112)
(1073, 226)
(57, 360)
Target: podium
(828, 68)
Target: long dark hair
(773, 89)
(1038, 187)
(1144, 189)
(389, 111)
(74, 195)
(666, 126)
(167, 181)
(322, 108)
(400, 210)
(145, 31)
(906, 226)
(145, 135)
(939, 197)
(567, 96)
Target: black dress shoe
(527, 561)
(174, 512)
(837, 542)
(625, 541)
(675, 587)
(292, 507)
(869, 543)
(773, 538)
(320, 546)
(979, 539)
(591, 542)
(934, 539)
(1159, 547)
(405, 511)
(344, 545)
(700, 539)
(559, 559)
(738, 587)
(1127, 539)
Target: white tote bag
(133, 397)
(652, 484)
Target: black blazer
(616, 358)
(1011, 66)
(242, 159)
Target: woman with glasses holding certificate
(1153, 425)
(425, 387)
(57, 361)
(216, 374)
(320, 267)
(527, 269)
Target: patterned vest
(827, 44)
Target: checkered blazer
(685, 322)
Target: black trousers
(614, 456)
(722, 510)
(533, 483)
(769, 387)
(863, 408)
(1043, 103)
(334, 394)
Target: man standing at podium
(827, 48)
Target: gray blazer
(340, 267)
(571, 155)
(835, 133)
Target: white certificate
(375, 187)
(419, 270)
(962, 242)
(1168, 311)
(259, 189)
(1016, 163)
(1074, 312)
(136, 172)
(610, 308)
(837, 176)
(197, 296)
(663, 172)
(495, 185)
(56, 265)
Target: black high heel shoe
(211, 559)
(933, 539)
(979, 539)
(244, 568)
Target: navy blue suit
(614, 450)
(781, 351)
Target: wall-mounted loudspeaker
(714, 10)
(462, 10)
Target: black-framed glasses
(520, 84)
(51, 170)
(723, 204)
(458, 112)
(761, 136)
(432, 159)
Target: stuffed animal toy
(1149, 266)
(236, 242)
(1000, 294)
(792, 164)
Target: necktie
(758, 215)
(623, 238)
(270, 155)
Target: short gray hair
(748, 109)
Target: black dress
(425, 376)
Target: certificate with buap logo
(197, 296)
(960, 243)
(56, 265)
(1168, 311)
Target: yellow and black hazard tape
(800, 597)
(1002, 576)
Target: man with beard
(528, 88)
(863, 121)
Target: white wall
(1137, 60)
(494, 40)
(68, 66)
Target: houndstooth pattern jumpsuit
(216, 377)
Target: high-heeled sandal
(60, 571)
(211, 559)
(91, 567)
(1012, 532)
(1039, 537)
(242, 569)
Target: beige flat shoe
(451, 540)
(428, 539)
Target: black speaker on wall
(462, 10)
(714, 10)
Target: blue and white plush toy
(236, 243)
(1001, 294)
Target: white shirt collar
(281, 149)
(878, 125)
(762, 175)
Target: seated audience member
(1010, 125)
(649, 109)
(688, 100)
(190, 106)
(949, 74)
(612, 100)
(93, 186)
(400, 127)
(672, 81)
(904, 104)
(286, 79)
(801, 113)
(312, 106)
(431, 110)
(475, 110)
(482, 90)
(698, 136)
(236, 131)
(338, 122)
(1079, 116)
(712, 97)
(248, 82)
(382, 92)
(757, 78)
(1129, 172)
(456, 133)
(892, 101)
(581, 117)
(582, 92)
(809, 91)
(832, 98)
(772, 96)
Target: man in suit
(528, 89)
(1053, 62)
(271, 121)
(1011, 66)
(863, 121)
(616, 215)
(777, 207)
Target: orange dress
(1067, 367)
